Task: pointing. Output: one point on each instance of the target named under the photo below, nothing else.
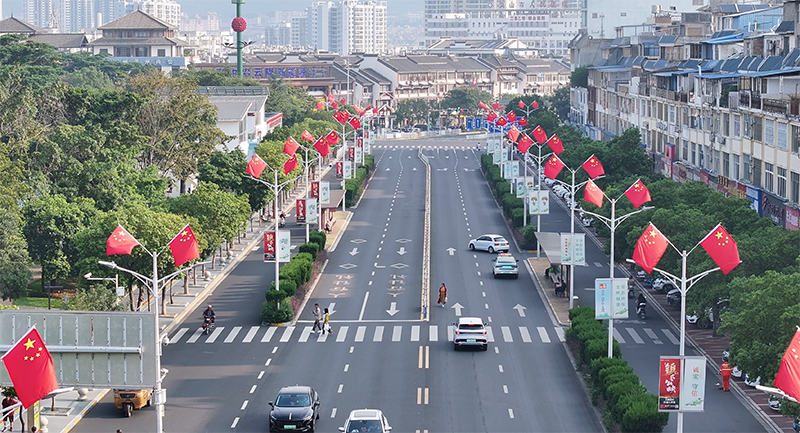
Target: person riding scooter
(641, 305)
(208, 315)
(282, 221)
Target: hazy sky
(225, 8)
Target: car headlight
(272, 417)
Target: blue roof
(725, 39)
(771, 63)
(770, 73)
(717, 76)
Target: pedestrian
(725, 371)
(442, 295)
(327, 226)
(547, 273)
(326, 325)
(8, 402)
(317, 324)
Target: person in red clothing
(725, 371)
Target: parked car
(505, 264)
(295, 408)
(470, 331)
(549, 182)
(490, 243)
(662, 285)
(366, 420)
(706, 320)
(674, 298)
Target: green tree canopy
(466, 98)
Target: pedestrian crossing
(394, 333)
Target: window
(748, 126)
(105, 51)
(781, 182)
(162, 52)
(726, 164)
(122, 52)
(795, 187)
(769, 132)
(736, 167)
(672, 114)
(141, 34)
(726, 124)
(757, 128)
(737, 125)
(685, 154)
(781, 134)
(694, 154)
(141, 52)
(700, 156)
(768, 176)
(795, 139)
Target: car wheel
(490, 250)
(471, 247)
(495, 276)
(127, 408)
(485, 347)
(455, 346)
(313, 426)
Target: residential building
(209, 23)
(348, 26)
(299, 32)
(40, 13)
(241, 115)
(278, 36)
(318, 17)
(168, 11)
(76, 16)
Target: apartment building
(723, 110)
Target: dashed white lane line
(253, 389)
(260, 375)
(333, 412)
(269, 361)
(235, 421)
(511, 413)
(341, 386)
(346, 367)
(244, 405)
(505, 389)
(500, 368)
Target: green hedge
(319, 238)
(270, 314)
(528, 235)
(291, 276)
(310, 248)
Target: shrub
(274, 296)
(319, 238)
(602, 375)
(602, 363)
(288, 288)
(580, 311)
(516, 216)
(528, 236)
(643, 415)
(612, 384)
(501, 188)
(270, 314)
(309, 248)
(304, 266)
(594, 349)
(623, 394)
(307, 257)
(290, 271)
(369, 162)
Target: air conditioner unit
(712, 137)
(645, 124)
(677, 130)
(721, 140)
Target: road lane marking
(323, 337)
(178, 335)
(235, 421)
(500, 368)
(511, 413)
(195, 336)
(360, 331)
(653, 335)
(268, 335)
(214, 335)
(426, 395)
(543, 334)
(341, 386)
(486, 306)
(526, 336)
(427, 357)
(671, 337)
(244, 405)
(561, 337)
(450, 330)
(346, 367)
(397, 333)
(232, 336)
(333, 412)
(287, 334)
(251, 334)
(253, 389)
(507, 334)
(618, 336)
(635, 336)
(489, 334)
(364, 304)
(505, 389)
(342, 334)
(269, 361)
(433, 333)
(415, 333)
(420, 361)
(261, 374)
(274, 349)
(378, 335)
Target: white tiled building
(346, 27)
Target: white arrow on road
(393, 309)
(458, 308)
(354, 252)
(520, 309)
(402, 251)
(330, 308)
(451, 250)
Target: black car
(296, 408)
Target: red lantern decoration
(239, 24)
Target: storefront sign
(300, 210)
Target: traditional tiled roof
(137, 20)
(62, 40)
(15, 25)
(137, 41)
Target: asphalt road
(381, 354)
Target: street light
(307, 163)
(119, 290)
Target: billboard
(610, 298)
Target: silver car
(470, 331)
(366, 420)
(505, 264)
(490, 243)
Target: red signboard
(669, 384)
(315, 189)
(339, 170)
(300, 206)
(360, 142)
(269, 246)
(351, 153)
(792, 217)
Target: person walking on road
(326, 325)
(725, 371)
(317, 324)
(442, 295)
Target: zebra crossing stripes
(214, 335)
(433, 333)
(342, 335)
(543, 334)
(178, 335)
(250, 334)
(653, 336)
(415, 333)
(360, 331)
(526, 336)
(232, 336)
(671, 337)
(194, 336)
(636, 338)
(268, 335)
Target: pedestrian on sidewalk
(725, 371)
(8, 402)
(326, 325)
(442, 295)
(317, 324)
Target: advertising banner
(367, 147)
(351, 153)
(519, 187)
(497, 155)
(669, 384)
(315, 189)
(508, 172)
(269, 246)
(573, 250)
(792, 218)
(529, 183)
(324, 192)
(492, 144)
(312, 211)
(300, 208)
(339, 169)
(284, 246)
(538, 202)
(693, 386)
(347, 170)
(610, 298)
(359, 154)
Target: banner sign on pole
(538, 202)
(347, 170)
(610, 298)
(359, 154)
(351, 153)
(324, 192)
(312, 211)
(693, 388)
(507, 171)
(315, 189)
(367, 148)
(529, 183)
(573, 250)
(514, 169)
(284, 246)
(300, 208)
(497, 155)
(492, 145)
(269, 246)
(519, 187)
(669, 384)
(339, 169)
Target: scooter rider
(209, 314)
(641, 303)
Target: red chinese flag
(593, 194)
(520, 104)
(322, 147)
(555, 143)
(539, 134)
(593, 167)
(649, 248)
(512, 117)
(638, 194)
(120, 242)
(496, 106)
(331, 98)
(491, 116)
(788, 377)
(256, 166)
(341, 116)
(369, 107)
(334, 105)
(290, 164)
(184, 246)
(320, 105)
(343, 101)
(553, 167)
(535, 105)
(332, 138)
(522, 121)
(482, 105)
(355, 123)
(524, 144)
(374, 111)
(307, 136)
(359, 110)
(290, 146)
(722, 249)
(513, 134)
(501, 121)
(30, 368)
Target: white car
(548, 181)
(505, 264)
(366, 420)
(490, 243)
(470, 331)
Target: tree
(15, 263)
(411, 111)
(226, 170)
(294, 102)
(580, 77)
(466, 98)
(97, 297)
(560, 103)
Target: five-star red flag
(593, 167)
(491, 116)
(649, 248)
(290, 164)
(307, 136)
(331, 98)
(320, 105)
(788, 377)
(496, 106)
(535, 105)
(501, 121)
(354, 122)
(341, 116)
(539, 134)
(638, 194)
(722, 249)
(343, 101)
(332, 138)
(256, 166)
(593, 194)
(375, 110)
(359, 110)
(553, 167)
(120, 242)
(512, 117)
(322, 147)
(482, 105)
(520, 104)
(290, 146)
(555, 143)
(513, 134)
(335, 105)
(184, 246)
(522, 121)
(30, 368)
(524, 144)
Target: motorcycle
(208, 325)
(640, 310)
(282, 222)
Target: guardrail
(426, 242)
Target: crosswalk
(393, 333)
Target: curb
(85, 410)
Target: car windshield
(370, 425)
(290, 400)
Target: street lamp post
(306, 165)
(538, 159)
(118, 290)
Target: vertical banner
(514, 169)
(533, 203)
(269, 246)
(544, 202)
(366, 134)
(529, 184)
(359, 154)
(492, 145)
(284, 248)
(324, 192)
(566, 248)
(315, 189)
(693, 386)
(300, 208)
(538, 202)
(573, 250)
(339, 169)
(611, 298)
(507, 170)
(519, 187)
(351, 153)
(669, 384)
(347, 170)
(367, 147)
(312, 211)
(497, 155)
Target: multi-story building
(278, 35)
(318, 17)
(40, 13)
(299, 32)
(346, 27)
(76, 16)
(165, 10)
